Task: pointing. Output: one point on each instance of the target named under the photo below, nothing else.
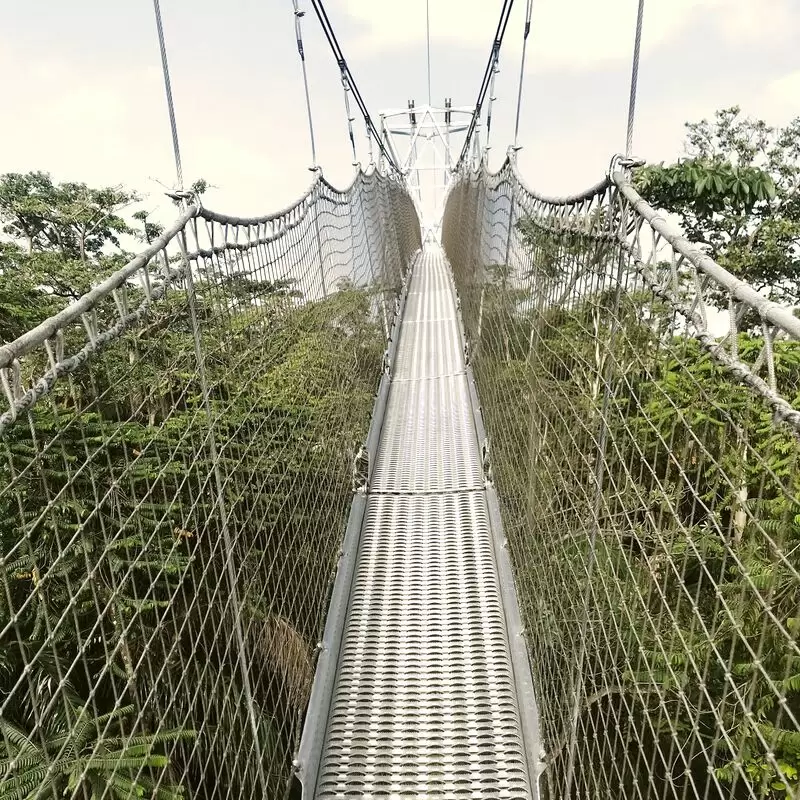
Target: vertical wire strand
(298, 15)
(168, 90)
(428, 40)
(346, 87)
(495, 70)
(369, 146)
(634, 80)
(526, 31)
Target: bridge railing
(640, 404)
(176, 472)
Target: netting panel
(644, 445)
(175, 479)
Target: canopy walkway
(332, 504)
(424, 697)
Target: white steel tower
(420, 140)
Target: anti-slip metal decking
(422, 683)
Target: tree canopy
(736, 194)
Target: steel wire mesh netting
(175, 479)
(644, 447)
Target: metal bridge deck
(424, 703)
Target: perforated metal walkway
(424, 703)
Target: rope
(634, 79)
(168, 90)
(428, 38)
(298, 15)
(528, 9)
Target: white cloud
(784, 94)
(745, 21)
(578, 34)
(110, 126)
(243, 125)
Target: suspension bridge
(368, 498)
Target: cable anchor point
(620, 161)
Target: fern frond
(17, 737)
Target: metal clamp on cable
(183, 196)
(620, 161)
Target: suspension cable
(637, 44)
(527, 30)
(327, 28)
(168, 90)
(298, 15)
(493, 56)
(428, 39)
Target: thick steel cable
(527, 30)
(637, 44)
(168, 90)
(298, 14)
(497, 42)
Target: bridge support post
(219, 488)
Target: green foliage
(736, 196)
(67, 236)
(691, 589)
(132, 494)
(86, 755)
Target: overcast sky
(84, 95)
